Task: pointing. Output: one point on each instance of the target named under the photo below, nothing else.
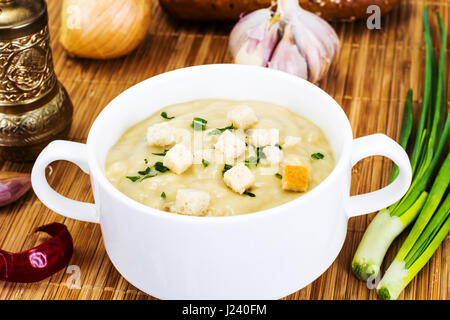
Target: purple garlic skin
(254, 37)
(288, 58)
(13, 186)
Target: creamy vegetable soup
(219, 158)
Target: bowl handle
(380, 145)
(62, 150)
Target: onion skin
(13, 186)
(104, 29)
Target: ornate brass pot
(34, 106)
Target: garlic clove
(315, 38)
(288, 58)
(254, 37)
(323, 31)
(239, 33)
(13, 186)
(314, 52)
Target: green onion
(220, 130)
(428, 232)
(199, 124)
(279, 147)
(133, 178)
(145, 161)
(279, 176)
(317, 156)
(205, 163)
(429, 153)
(428, 82)
(165, 116)
(406, 130)
(163, 195)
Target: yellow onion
(104, 29)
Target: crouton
(230, 145)
(273, 155)
(263, 137)
(178, 159)
(239, 178)
(295, 178)
(160, 134)
(291, 141)
(192, 202)
(182, 136)
(242, 117)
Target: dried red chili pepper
(41, 262)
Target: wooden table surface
(370, 81)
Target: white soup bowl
(263, 255)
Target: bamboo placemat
(370, 81)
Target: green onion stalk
(429, 152)
(429, 230)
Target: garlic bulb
(307, 48)
(104, 29)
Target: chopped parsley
(220, 130)
(145, 161)
(279, 176)
(165, 116)
(252, 160)
(205, 163)
(151, 174)
(163, 195)
(144, 172)
(133, 178)
(255, 160)
(226, 168)
(148, 172)
(162, 154)
(249, 194)
(199, 124)
(160, 167)
(317, 156)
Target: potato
(212, 10)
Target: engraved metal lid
(21, 17)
